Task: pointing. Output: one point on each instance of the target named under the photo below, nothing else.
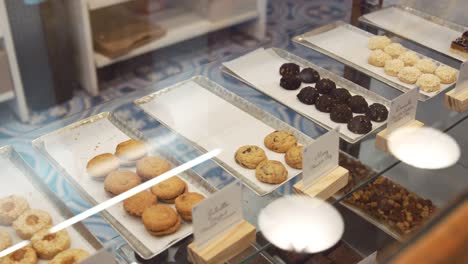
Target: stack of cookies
(271, 171)
(154, 207)
(33, 224)
(405, 64)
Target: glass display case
(204, 124)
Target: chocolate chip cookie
(293, 157)
(271, 171)
(250, 156)
(280, 141)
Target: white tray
(71, 147)
(212, 117)
(19, 179)
(260, 69)
(348, 44)
(427, 30)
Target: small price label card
(320, 158)
(403, 110)
(217, 214)
(462, 82)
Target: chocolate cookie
(309, 75)
(360, 124)
(377, 112)
(325, 86)
(290, 82)
(358, 104)
(324, 103)
(341, 95)
(289, 69)
(341, 113)
(308, 95)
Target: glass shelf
(360, 235)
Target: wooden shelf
(96, 4)
(181, 24)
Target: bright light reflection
(301, 223)
(425, 147)
(119, 198)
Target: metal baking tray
(233, 109)
(363, 66)
(107, 132)
(361, 212)
(436, 34)
(28, 185)
(308, 111)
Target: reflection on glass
(301, 223)
(425, 148)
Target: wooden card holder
(326, 186)
(457, 101)
(228, 245)
(381, 140)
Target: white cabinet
(181, 22)
(11, 87)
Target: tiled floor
(284, 18)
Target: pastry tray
(210, 116)
(260, 69)
(348, 44)
(419, 27)
(70, 148)
(20, 179)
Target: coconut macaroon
(395, 50)
(410, 58)
(426, 66)
(428, 82)
(446, 74)
(409, 74)
(378, 42)
(378, 58)
(393, 67)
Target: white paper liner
(212, 122)
(16, 183)
(416, 28)
(350, 43)
(260, 68)
(73, 148)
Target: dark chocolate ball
(309, 75)
(360, 124)
(308, 95)
(377, 112)
(341, 113)
(358, 104)
(325, 86)
(341, 95)
(289, 69)
(324, 103)
(290, 82)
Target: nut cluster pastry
(391, 203)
